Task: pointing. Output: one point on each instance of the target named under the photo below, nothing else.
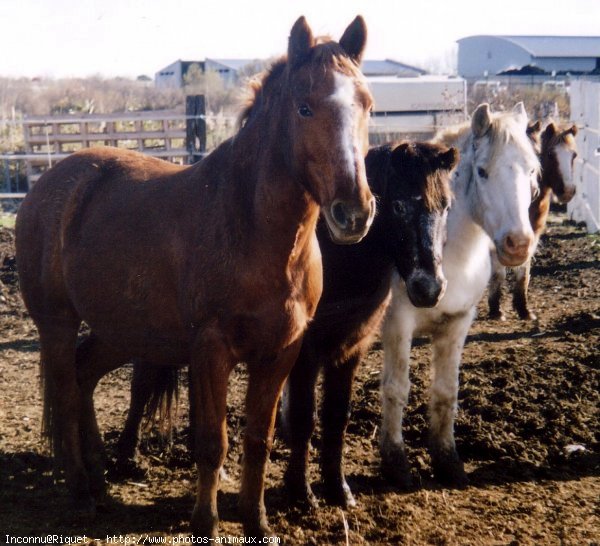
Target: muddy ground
(528, 429)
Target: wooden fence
(169, 135)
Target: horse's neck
(539, 208)
(271, 205)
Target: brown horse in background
(557, 151)
(209, 265)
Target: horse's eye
(305, 111)
(482, 172)
(532, 172)
(398, 208)
(574, 155)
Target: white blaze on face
(343, 99)
(564, 157)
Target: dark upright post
(195, 106)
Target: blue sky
(130, 37)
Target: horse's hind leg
(299, 421)
(94, 360)
(495, 289)
(336, 410)
(62, 406)
(395, 388)
(520, 303)
(447, 349)
(142, 386)
(264, 388)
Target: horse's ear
(550, 130)
(521, 113)
(300, 42)
(449, 159)
(400, 153)
(481, 120)
(534, 128)
(354, 39)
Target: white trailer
(416, 105)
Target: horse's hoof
(257, 529)
(299, 492)
(528, 315)
(126, 469)
(84, 509)
(449, 471)
(396, 469)
(204, 523)
(339, 494)
(303, 498)
(497, 315)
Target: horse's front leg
(210, 366)
(495, 289)
(266, 379)
(447, 344)
(336, 411)
(395, 388)
(520, 303)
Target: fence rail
(166, 134)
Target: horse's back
(60, 210)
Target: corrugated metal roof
(389, 67)
(554, 46)
(235, 64)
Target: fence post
(195, 105)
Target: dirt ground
(528, 429)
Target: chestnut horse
(557, 151)
(411, 183)
(209, 265)
(493, 187)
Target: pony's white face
(565, 156)
(505, 169)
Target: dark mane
(420, 167)
(436, 193)
(256, 88)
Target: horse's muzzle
(566, 195)
(424, 289)
(514, 249)
(349, 223)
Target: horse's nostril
(516, 244)
(338, 212)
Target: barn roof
(389, 67)
(234, 64)
(553, 46)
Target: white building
(230, 70)
(480, 56)
(173, 75)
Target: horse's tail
(161, 406)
